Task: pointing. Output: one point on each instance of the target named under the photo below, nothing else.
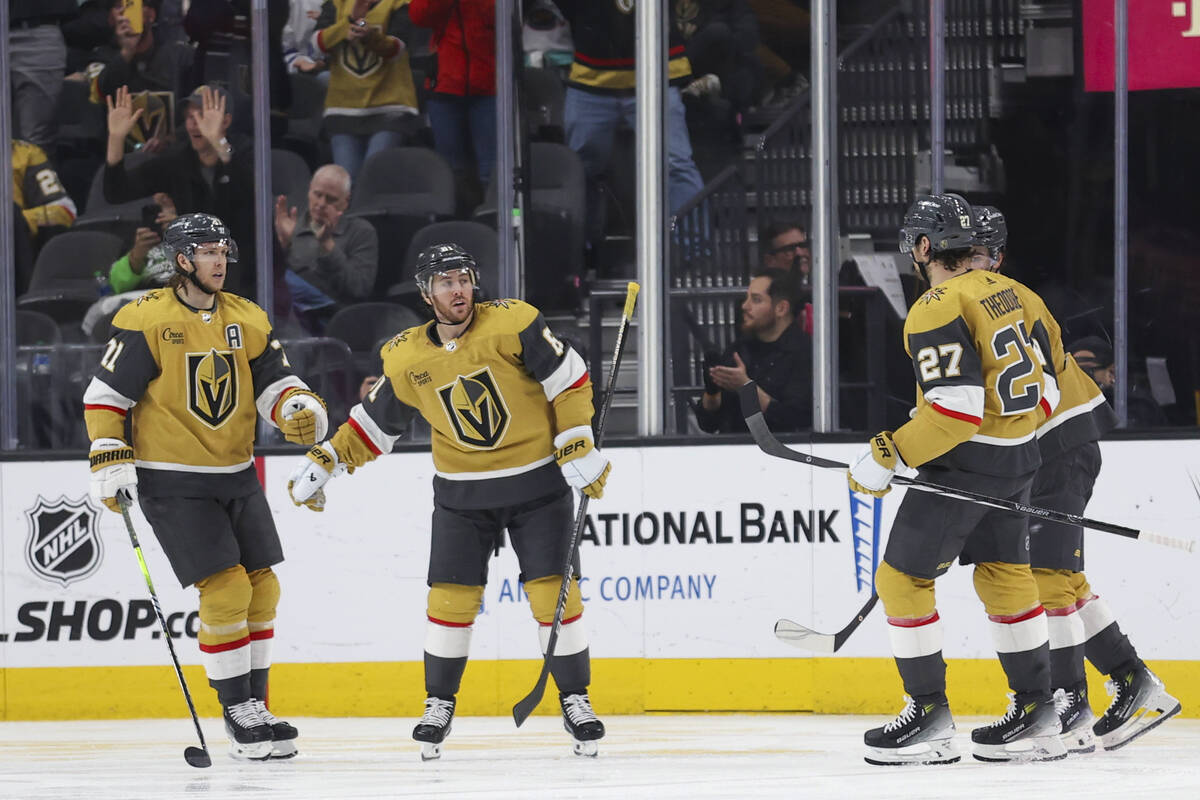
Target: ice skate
(434, 726)
(1139, 704)
(250, 738)
(283, 744)
(1028, 731)
(581, 722)
(1075, 717)
(922, 733)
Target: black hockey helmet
(186, 231)
(947, 219)
(443, 259)
(991, 230)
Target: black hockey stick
(796, 634)
(196, 756)
(766, 441)
(528, 703)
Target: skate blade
(256, 751)
(941, 751)
(1079, 742)
(283, 748)
(581, 748)
(431, 751)
(1146, 720)
(1022, 751)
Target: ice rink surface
(655, 756)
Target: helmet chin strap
(191, 276)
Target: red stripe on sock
(1013, 619)
(906, 622)
(564, 622)
(267, 634)
(1062, 612)
(221, 648)
(443, 622)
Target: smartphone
(150, 214)
(132, 10)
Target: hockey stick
(766, 441)
(196, 756)
(806, 638)
(525, 705)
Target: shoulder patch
(936, 293)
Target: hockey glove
(584, 467)
(307, 481)
(872, 470)
(113, 473)
(301, 416)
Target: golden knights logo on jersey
(63, 545)
(476, 409)
(212, 386)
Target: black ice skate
(434, 726)
(1139, 703)
(1027, 732)
(581, 722)
(283, 744)
(250, 738)
(923, 733)
(1075, 717)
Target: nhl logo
(63, 544)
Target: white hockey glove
(307, 481)
(872, 470)
(301, 416)
(581, 463)
(113, 473)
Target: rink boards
(688, 560)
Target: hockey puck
(197, 757)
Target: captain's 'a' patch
(476, 409)
(212, 386)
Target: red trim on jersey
(260, 469)
(99, 407)
(582, 380)
(1046, 407)
(957, 414)
(363, 435)
(446, 624)
(1013, 619)
(221, 648)
(321, 42)
(564, 622)
(905, 622)
(592, 61)
(268, 633)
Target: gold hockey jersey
(1082, 416)
(190, 382)
(984, 350)
(37, 190)
(495, 397)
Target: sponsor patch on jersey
(62, 545)
(476, 409)
(212, 386)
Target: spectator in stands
(721, 37)
(146, 265)
(331, 258)
(300, 53)
(206, 173)
(773, 351)
(462, 104)
(600, 93)
(786, 246)
(138, 61)
(43, 202)
(1095, 356)
(784, 49)
(37, 57)
(371, 103)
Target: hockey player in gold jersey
(185, 372)
(1080, 621)
(981, 348)
(510, 407)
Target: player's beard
(447, 314)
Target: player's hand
(581, 463)
(306, 483)
(113, 473)
(872, 470)
(301, 416)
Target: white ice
(660, 756)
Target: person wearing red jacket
(462, 100)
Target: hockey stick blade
(797, 635)
(766, 441)
(197, 757)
